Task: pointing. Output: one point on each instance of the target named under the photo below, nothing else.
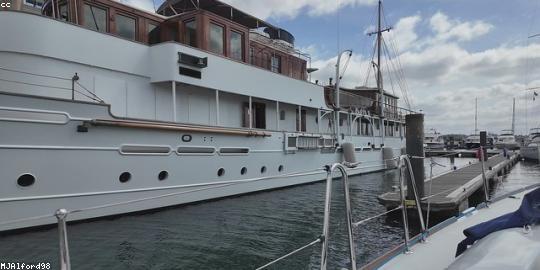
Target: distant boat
(532, 150)
(507, 140)
(473, 141)
(433, 140)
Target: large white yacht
(433, 140)
(532, 149)
(506, 140)
(103, 103)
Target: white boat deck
(440, 249)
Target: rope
(356, 224)
(318, 240)
(35, 74)
(35, 84)
(26, 219)
(94, 95)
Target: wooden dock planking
(454, 188)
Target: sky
(450, 52)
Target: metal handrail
(326, 222)
(64, 259)
(405, 163)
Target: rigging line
(388, 66)
(370, 65)
(318, 240)
(35, 74)
(400, 69)
(90, 92)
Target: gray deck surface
(450, 186)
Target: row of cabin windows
(95, 18)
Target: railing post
(405, 164)
(403, 205)
(73, 80)
(484, 178)
(326, 222)
(61, 215)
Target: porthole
(124, 177)
(280, 168)
(26, 180)
(221, 172)
(243, 170)
(163, 175)
(263, 169)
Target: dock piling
(415, 148)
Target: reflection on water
(238, 233)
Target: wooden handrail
(176, 127)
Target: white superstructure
(506, 140)
(433, 140)
(89, 117)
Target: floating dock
(459, 152)
(454, 191)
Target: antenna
(513, 116)
(475, 116)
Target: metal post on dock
(326, 222)
(415, 148)
(64, 261)
(483, 158)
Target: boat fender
(348, 153)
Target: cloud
(265, 9)
(448, 29)
(404, 32)
(444, 77)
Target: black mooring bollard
(415, 148)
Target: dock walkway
(453, 189)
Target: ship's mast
(475, 116)
(378, 64)
(514, 116)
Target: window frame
(184, 30)
(136, 29)
(223, 37)
(242, 46)
(107, 16)
(279, 58)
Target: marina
(453, 192)
(224, 134)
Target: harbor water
(242, 232)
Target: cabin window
(153, 33)
(34, 3)
(190, 33)
(259, 115)
(63, 11)
(125, 27)
(237, 46)
(95, 18)
(216, 38)
(301, 123)
(282, 115)
(275, 63)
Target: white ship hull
(80, 170)
(71, 153)
(530, 152)
(507, 145)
